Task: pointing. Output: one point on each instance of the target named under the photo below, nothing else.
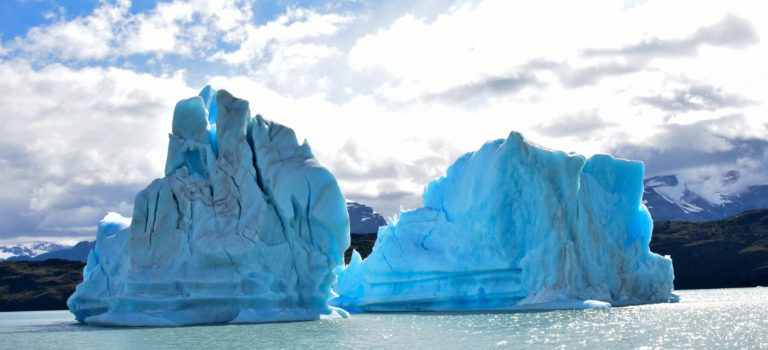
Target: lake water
(703, 319)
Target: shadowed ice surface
(704, 319)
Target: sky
(387, 93)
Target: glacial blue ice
(515, 226)
(246, 226)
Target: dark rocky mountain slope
(362, 218)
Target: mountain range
(28, 251)
(669, 198)
(77, 252)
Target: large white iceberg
(515, 226)
(245, 226)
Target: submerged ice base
(514, 226)
(245, 226)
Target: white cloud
(388, 98)
(291, 65)
(295, 25)
(485, 39)
(185, 27)
(495, 38)
(156, 33)
(79, 142)
(81, 38)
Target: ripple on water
(721, 318)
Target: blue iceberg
(515, 226)
(245, 226)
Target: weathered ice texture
(515, 226)
(245, 226)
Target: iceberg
(515, 226)
(246, 226)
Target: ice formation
(245, 226)
(515, 226)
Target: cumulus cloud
(295, 25)
(78, 143)
(3, 50)
(694, 98)
(387, 182)
(677, 147)
(180, 27)
(492, 86)
(388, 94)
(702, 153)
(83, 38)
(580, 125)
(732, 31)
(592, 74)
(705, 136)
(730, 170)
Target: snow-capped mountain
(669, 198)
(78, 252)
(362, 218)
(29, 250)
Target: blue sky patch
(17, 17)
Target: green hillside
(38, 285)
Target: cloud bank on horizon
(387, 93)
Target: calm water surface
(703, 319)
